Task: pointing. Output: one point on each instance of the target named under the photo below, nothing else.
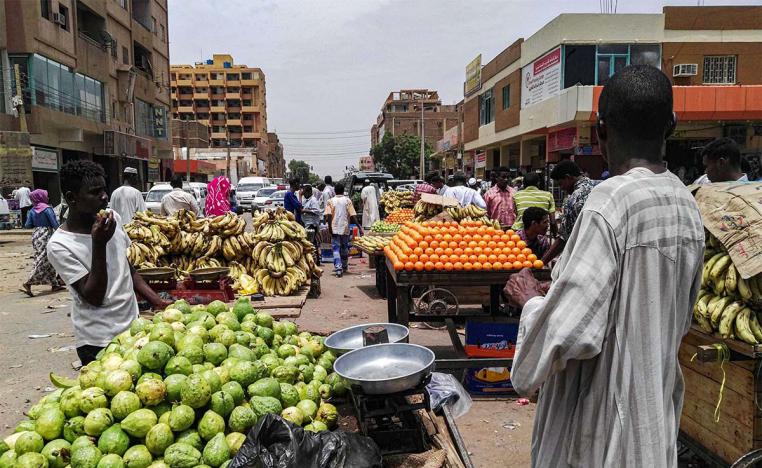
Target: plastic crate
(488, 381)
(491, 339)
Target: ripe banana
(730, 279)
(728, 318)
(714, 312)
(756, 329)
(743, 327)
(708, 267)
(719, 268)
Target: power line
(364, 131)
(323, 138)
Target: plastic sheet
(277, 443)
(445, 389)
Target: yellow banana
(728, 318)
(719, 268)
(743, 288)
(743, 329)
(756, 329)
(730, 279)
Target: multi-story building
(230, 99)
(535, 102)
(275, 163)
(406, 110)
(94, 76)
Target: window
(64, 12)
(233, 76)
(57, 87)
(125, 55)
(114, 49)
(163, 33)
(486, 107)
(645, 54)
(611, 58)
(579, 65)
(720, 69)
(506, 97)
(45, 9)
(153, 25)
(245, 76)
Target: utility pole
(184, 126)
(20, 101)
(227, 159)
(421, 174)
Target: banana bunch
(236, 270)
(424, 211)
(728, 316)
(461, 212)
(272, 215)
(280, 283)
(722, 277)
(235, 247)
(372, 243)
(227, 225)
(277, 229)
(139, 253)
(190, 243)
(169, 226)
(394, 200)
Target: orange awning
(196, 167)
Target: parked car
(154, 196)
(262, 196)
(275, 200)
(247, 189)
(198, 189)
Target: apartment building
(535, 102)
(229, 98)
(94, 76)
(404, 111)
(275, 163)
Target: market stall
(721, 356)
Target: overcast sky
(329, 65)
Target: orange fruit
(526, 251)
(478, 250)
(439, 266)
(428, 251)
(424, 258)
(418, 250)
(509, 232)
(418, 266)
(511, 258)
(486, 266)
(468, 266)
(521, 258)
(452, 245)
(448, 266)
(531, 257)
(477, 266)
(517, 265)
(497, 266)
(457, 251)
(510, 244)
(413, 258)
(439, 251)
(403, 258)
(482, 258)
(457, 266)
(423, 244)
(409, 266)
(492, 258)
(448, 251)
(516, 251)
(434, 244)
(428, 266)
(434, 258)
(538, 264)
(399, 266)
(472, 258)
(521, 244)
(468, 251)
(502, 257)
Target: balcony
(235, 135)
(219, 135)
(251, 82)
(248, 123)
(185, 96)
(203, 109)
(233, 82)
(184, 81)
(236, 122)
(185, 109)
(216, 82)
(204, 121)
(250, 109)
(201, 82)
(250, 135)
(200, 94)
(220, 109)
(233, 109)
(232, 95)
(217, 96)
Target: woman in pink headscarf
(217, 196)
(42, 218)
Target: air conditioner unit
(685, 69)
(59, 19)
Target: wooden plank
(285, 313)
(711, 442)
(752, 351)
(284, 302)
(738, 378)
(701, 391)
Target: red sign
(562, 139)
(543, 63)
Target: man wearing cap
(127, 200)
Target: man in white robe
(369, 205)
(601, 346)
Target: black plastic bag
(277, 443)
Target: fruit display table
(739, 429)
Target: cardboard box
(488, 381)
(491, 339)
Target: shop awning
(196, 167)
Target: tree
(299, 169)
(400, 155)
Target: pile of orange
(452, 246)
(400, 216)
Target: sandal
(27, 289)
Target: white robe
(602, 345)
(369, 206)
(127, 201)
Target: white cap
(471, 181)
(130, 170)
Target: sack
(277, 443)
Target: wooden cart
(739, 430)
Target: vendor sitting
(535, 222)
(89, 252)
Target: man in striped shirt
(530, 196)
(601, 346)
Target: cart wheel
(749, 460)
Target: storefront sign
(480, 160)
(44, 160)
(473, 76)
(562, 139)
(153, 169)
(15, 159)
(541, 79)
(159, 122)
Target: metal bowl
(209, 274)
(386, 368)
(350, 338)
(157, 274)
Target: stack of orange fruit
(452, 246)
(400, 216)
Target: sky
(330, 64)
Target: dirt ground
(496, 432)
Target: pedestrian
(89, 252)
(722, 162)
(427, 186)
(217, 197)
(127, 200)
(499, 199)
(42, 218)
(328, 192)
(21, 195)
(532, 196)
(534, 230)
(318, 193)
(339, 213)
(311, 214)
(602, 345)
(291, 200)
(568, 176)
(465, 196)
(369, 204)
(178, 199)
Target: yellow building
(228, 98)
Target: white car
(247, 189)
(157, 192)
(275, 200)
(261, 197)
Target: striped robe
(602, 346)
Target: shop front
(200, 171)
(578, 143)
(45, 167)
